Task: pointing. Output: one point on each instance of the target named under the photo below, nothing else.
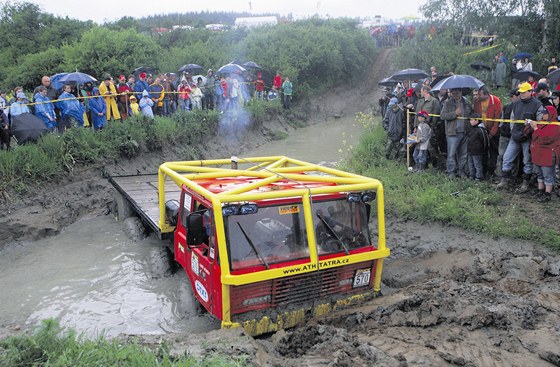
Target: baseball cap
(423, 113)
(393, 101)
(541, 86)
(524, 87)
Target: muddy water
(325, 142)
(94, 279)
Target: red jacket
(544, 143)
(494, 111)
(278, 81)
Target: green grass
(433, 197)
(50, 345)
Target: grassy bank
(50, 345)
(433, 197)
(54, 157)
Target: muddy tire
(161, 262)
(134, 228)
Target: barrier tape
(495, 120)
(482, 50)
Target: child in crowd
(146, 104)
(478, 142)
(134, 107)
(423, 134)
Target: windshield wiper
(253, 246)
(333, 233)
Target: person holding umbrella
(456, 112)
(109, 92)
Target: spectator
(287, 87)
(45, 109)
(169, 94)
(526, 108)
(394, 125)
(489, 108)
(4, 131)
(98, 109)
(134, 107)
(131, 82)
(157, 93)
(19, 105)
(210, 90)
(384, 101)
(85, 93)
(259, 86)
(51, 92)
(196, 97)
(183, 98)
(124, 95)
(542, 93)
(109, 92)
(141, 85)
(277, 82)
(505, 133)
(146, 105)
(552, 66)
(71, 111)
(423, 135)
(477, 146)
(430, 104)
(500, 69)
(455, 112)
(272, 94)
(545, 152)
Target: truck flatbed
(141, 191)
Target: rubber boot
(422, 167)
(544, 198)
(525, 185)
(504, 182)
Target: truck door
(202, 260)
(180, 237)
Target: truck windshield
(277, 233)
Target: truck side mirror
(195, 229)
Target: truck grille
(297, 289)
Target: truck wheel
(124, 209)
(134, 228)
(161, 262)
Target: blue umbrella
(458, 82)
(522, 55)
(55, 80)
(230, 69)
(77, 77)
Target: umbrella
(523, 75)
(143, 69)
(409, 74)
(190, 68)
(195, 79)
(27, 128)
(55, 80)
(77, 77)
(230, 69)
(522, 55)
(438, 79)
(458, 82)
(387, 82)
(480, 66)
(251, 65)
(554, 77)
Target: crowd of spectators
(89, 105)
(476, 135)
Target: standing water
(94, 279)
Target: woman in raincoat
(98, 109)
(44, 108)
(109, 92)
(70, 108)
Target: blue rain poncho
(69, 106)
(44, 109)
(97, 106)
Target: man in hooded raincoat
(98, 109)
(109, 92)
(45, 108)
(70, 108)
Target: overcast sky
(101, 11)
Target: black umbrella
(522, 55)
(191, 68)
(523, 75)
(478, 66)
(409, 74)
(251, 65)
(438, 79)
(387, 82)
(554, 77)
(27, 128)
(143, 69)
(458, 82)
